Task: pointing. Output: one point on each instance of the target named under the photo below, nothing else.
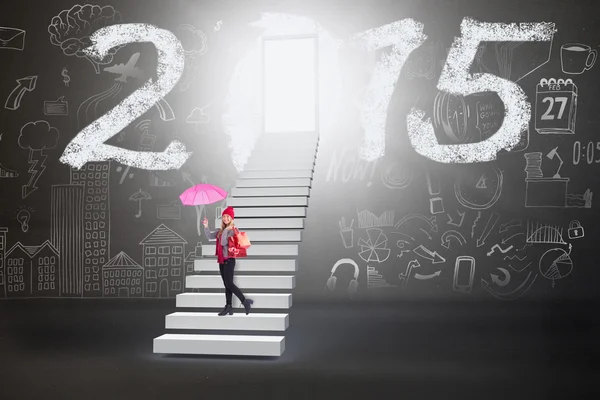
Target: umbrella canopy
(140, 195)
(203, 193)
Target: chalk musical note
(218, 26)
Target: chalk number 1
(88, 145)
(405, 36)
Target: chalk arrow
(510, 237)
(164, 110)
(475, 222)
(187, 178)
(520, 291)
(500, 249)
(510, 224)
(426, 277)
(452, 234)
(427, 254)
(461, 216)
(24, 85)
(501, 282)
(406, 275)
(491, 223)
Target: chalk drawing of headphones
(353, 286)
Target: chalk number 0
(88, 145)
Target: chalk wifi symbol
(143, 125)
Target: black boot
(227, 310)
(247, 303)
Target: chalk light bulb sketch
(23, 216)
(288, 81)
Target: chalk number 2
(551, 100)
(88, 145)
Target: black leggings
(227, 270)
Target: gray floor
(102, 349)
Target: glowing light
(243, 119)
(290, 91)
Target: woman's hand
(205, 222)
(229, 228)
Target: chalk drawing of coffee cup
(575, 58)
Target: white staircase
(271, 201)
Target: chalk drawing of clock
(451, 114)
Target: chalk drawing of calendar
(555, 107)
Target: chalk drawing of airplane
(128, 70)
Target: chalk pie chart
(555, 264)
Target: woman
(226, 263)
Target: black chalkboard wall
(414, 227)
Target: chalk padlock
(575, 230)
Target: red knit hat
(229, 211)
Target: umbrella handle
(139, 214)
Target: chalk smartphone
(464, 272)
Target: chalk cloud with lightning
(36, 137)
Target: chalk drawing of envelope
(12, 38)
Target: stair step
(299, 135)
(275, 236)
(273, 140)
(285, 150)
(308, 154)
(273, 150)
(258, 249)
(217, 300)
(283, 282)
(272, 235)
(267, 202)
(279, 182)
(292, 173)
(225, 345)
(267, 165)
(270, 192)
(239, 321)
(270, 212)
(269, 223)
(249, 265)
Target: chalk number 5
(455, 79)
(88, 145)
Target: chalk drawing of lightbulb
(23, 215)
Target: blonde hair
(224, 225)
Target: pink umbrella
(202, 194)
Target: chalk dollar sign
(66, 77)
